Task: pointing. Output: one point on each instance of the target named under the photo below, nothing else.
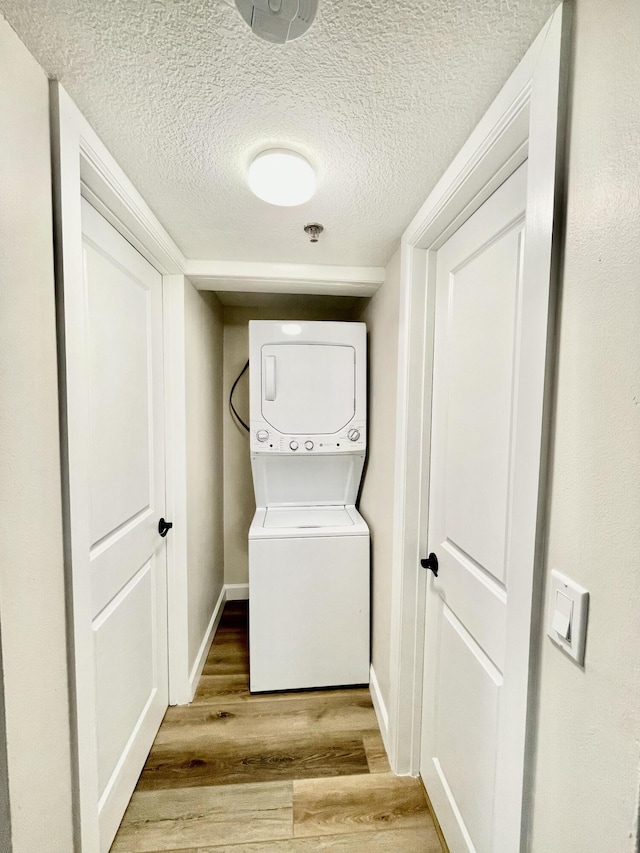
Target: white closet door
(127, 556)
(470, 761)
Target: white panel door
(127, 557)
(470, 761)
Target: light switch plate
(560, 587)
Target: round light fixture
(282, 177)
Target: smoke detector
(278, 21)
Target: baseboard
(379, 707)
(203, 651)
(237, 591)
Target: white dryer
(308, 545)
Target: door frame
(524, 122)
(83, 168)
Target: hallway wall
(376, 503)
(588, 752)
(205, 520)
(32, 596)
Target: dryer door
(308, 388)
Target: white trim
(259, 277)
(176, 488)
(524, 121)
(66, 176)
(379, 707)
(107, 187)
(237, 591)
(205, 645)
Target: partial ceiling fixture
(282, 177)
(278, 21)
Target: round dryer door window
(308, 388)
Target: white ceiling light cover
(282, 177)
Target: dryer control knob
(293, 445)
(308, 445)
(262, 435)
(353, 434)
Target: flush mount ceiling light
(282, 177)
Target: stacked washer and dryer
(308, 544)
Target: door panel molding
(473, 413)
(525, 122)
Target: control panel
(264, 439)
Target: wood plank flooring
(271, 773)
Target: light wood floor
(271, 773)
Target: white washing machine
(309, 571)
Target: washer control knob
(293, 445)
(308, 445)
(262, 435)
(353, 434)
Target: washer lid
(307, 517)
(332, 524)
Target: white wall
(239, 503)
(588, 753)
(376, 501)
(32, 599)
(205, 547)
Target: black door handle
(164, 527)
(430, 563)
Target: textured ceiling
(380, 95)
